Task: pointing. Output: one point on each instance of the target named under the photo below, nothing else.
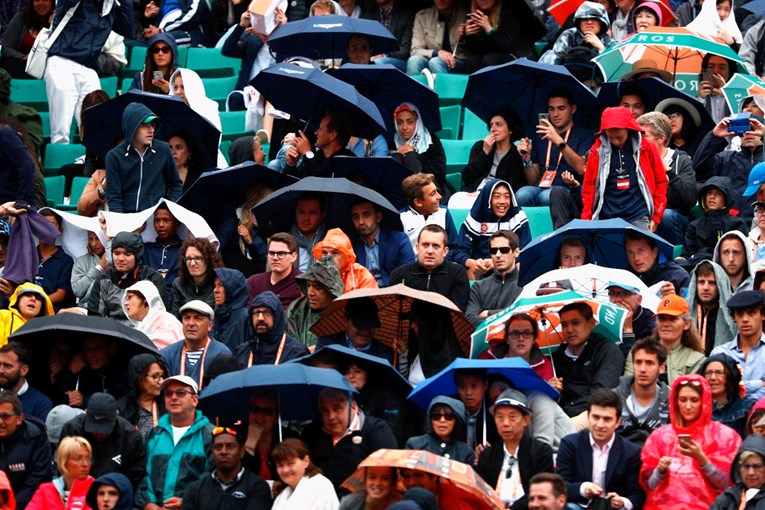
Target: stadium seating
(540, 221)
(31, 93)
(473, 128)
(457, 155)
(54, 190)
(233, 125)
(60, 154)
(209, 63)
(450, 122)
(218, 89)
(450, 88)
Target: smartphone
(706, 75)
(684, 437)
(468, 16)
(543, 116)
(158, 75)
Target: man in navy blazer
(600, 467)
(379, 250)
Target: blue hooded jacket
(481, 223)
(232, 317)
(118, 480)
(456, 448)
(138, 182)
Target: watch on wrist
(309, 154)
(562, 146)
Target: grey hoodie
(455, 448)
(725, 326)
(632, 428)
(747, 280)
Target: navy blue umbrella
(656, 91)
(523, 86)
(276, 212)
(327, 37)
(603, 239)
(384, 175)
(104, 124)
(297, 387)
(516, 370)
(308, 93)
(379, 370)
(388, 87)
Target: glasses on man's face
(177, 393)
(265, 411)
(504, 250)
(442, 416)
(160, 49)
(621, 294)
(193, 260)
(278, 255)
(264, 313)
(515, 335)
(7, 416)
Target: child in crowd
(703, 233)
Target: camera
(739, 123)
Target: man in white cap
(177, 447)
(198, 349)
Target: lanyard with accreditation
(549, 176)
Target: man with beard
(708, 295)
(14, 367)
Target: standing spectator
(68, 491)
(708, 295)
(15, 360)
(435, 42)
(21, 34)
(181, 20)
(70, 73)
(496, 156)
(141, 170)
(161, 57)
(394, 16)
(230, 294)
(281, 279)
(196, 277)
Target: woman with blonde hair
(74, 458)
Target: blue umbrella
(517, 370)
(327, 37)
(523, 86)
(384, 175)
(756, 7)
(276, 212)
(656, 91)
(297, 387)
(308, 93)
(604, 240)
(379, 370)
(388, 87)
(104, 124)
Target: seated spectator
(684, 121)
(380, 250)
(361, 321)
(163, 254)
(572, 253)
(320, 284)
(263, 435)
(266, 342)
(144, 308)
(95, 370)
(396, 17)
(26, 302)
(417, 148)
(343, 437)
(678, 335)
(639, 321)
(193, 356)
(521, 331)
(681, 196)
(309, 228)
(720, 70)
(354, 275)
(435, 43)
(443, 431)
(54, 274)
(645, 398)
(111, 491)
(518, 456)
(25, 455)
(332, 138)
(748, 346)
(724, 378)
(621, 20)
(421, 193)
(598, 463)
(196, 276)
(131, 189)
(432, 343)
(241, 247)
(702, 234)
(718, 21)
(230, 293)
(304, 485)
(359, 50)
(73, 459)
(646, 15)
(547, 491)
(584, 363)
(143, 405)
(183, 21)
(20, 35)
(471, 388)
(757, 235)
(187, 158)
(735, 253)
(496, 156)
(117, 445)
(494, 34)
(161, 62)
(494, 209)
(87, 267)
(747, 476)
(687, 462)
(646, 262)
(708, 295)
(590, 33)
(20, 112)
(380, 490)
(499, 289)
(15, 361)
(281, 279)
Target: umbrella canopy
(309, 93)
(674, 49)
(561, 10)
(742, 86)
(327, 37)
(756, 7)
(383, 175)
(516, 370)
(387, 87)
(603, 239)
(656, 90)
(459, 481)
(276, 213)
(393, 305)
(379, 370)
(104, 123)
(544, 309)
(525, 86)
(297, 387)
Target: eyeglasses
(510, 465)
(265, 411)
(278, 255)
(155, 377)
(621, 293)
(80, 459)
(754, 467)
(7, 416)
(714, 373)
(443, 416)
(264, 313)
(193, 260)
(223, 430)
(177, 393)
(504, 250)
(160, 49)
(515, 335)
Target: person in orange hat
(354, 275)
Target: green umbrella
(609, 317)
(673, 49)
(741, 86)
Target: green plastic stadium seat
(457, 155)
(218, 89)
(450, 88)
(31, 93)
(473, 128)
(209, 63)
(459, 216)
(109, 85)
(233, 125)
(450, 121)
(60, 154)
(223, 148)
(54, 190)
(455, 180)
(540, 221)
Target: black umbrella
(384, 175)
(276, 213)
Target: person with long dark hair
(161, 58)
(143, 405)
(195, 276)
(21, 34)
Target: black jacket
(248, 492)
(25, 457)
(681, 191)
(493, 293)
(449, 279)
(313, 167)
(533, 457)
(669, 271)
(510, 168)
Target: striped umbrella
(741, 86)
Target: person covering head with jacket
(26, 302)
(728, 394)
(624, 176)
(590, 30)
(686, 463)
(231, 314)
(338, 245)
(146, 311)
(111, 491)
(444, 431)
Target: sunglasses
(177, 393)
(223, 430)
(265, 411)
(443, 416)
(504, 250)
(510, 465)
(692, 383)
(160, 49)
